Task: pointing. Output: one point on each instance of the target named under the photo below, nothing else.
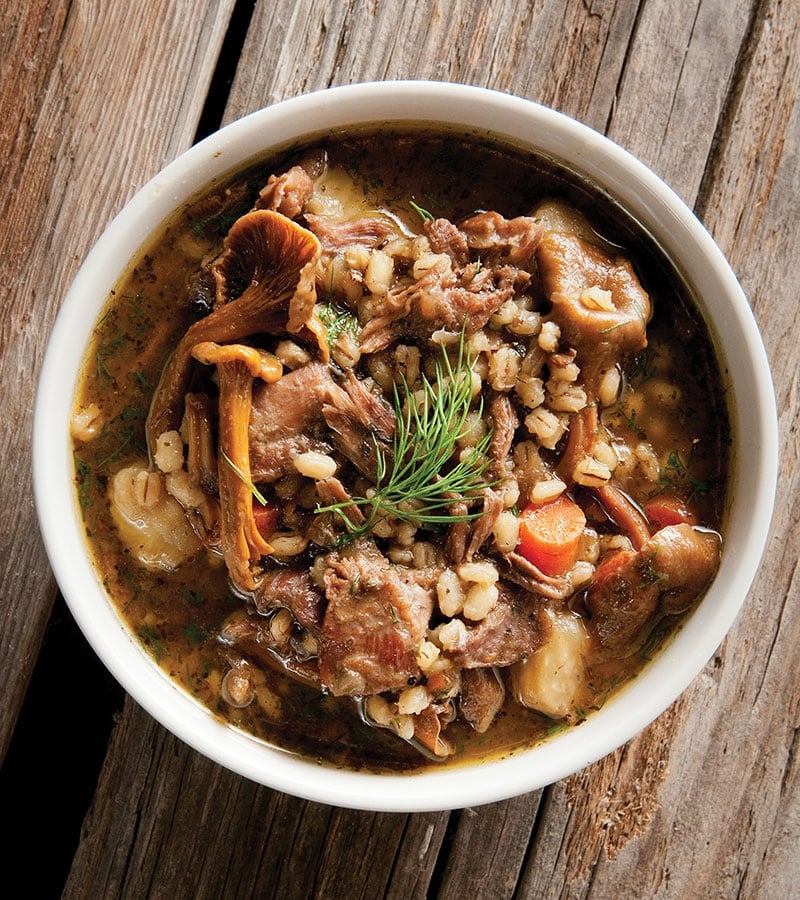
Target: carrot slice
(550, 534)
(668, 510)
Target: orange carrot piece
(550, 535)
(668, 510)
(611, 564)
(266, 518)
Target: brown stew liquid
(671, 398)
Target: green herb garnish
(244, 479)
(422, 213)
(676, 476)
(416, 482)
(337, 321)
(151, 641)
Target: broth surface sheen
(635, 436)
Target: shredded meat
(291, 589)
(524, 573)
(515, 627)
(361, 424)
(483, 527)
(283, 420)
(339, 234)
(482, 696)
(445, 237)
(287, 193)
(503, 240)
(505, 422)
(377, 615)
(331, 490)
(470, 291)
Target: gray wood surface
(705, 802)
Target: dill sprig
(418, 482)
(244, 479)
(422, 212)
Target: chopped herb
(616, 325)
(337, 321)
(193, 598)
(633, 425)
(650, 644)
(151, 642)
(89, 486)
(413, 483)
(676, 476)
(195, 635)
(640, 374)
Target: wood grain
(705, 802)
(77, 147)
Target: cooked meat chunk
(287, 193)
(505, 422)
(291, 589)
(376, 618)
(483, 527)
(482, 696)
(361, 424)
(339, 234)
(512, 629)
(632, 589)
(284, 420)
(500, 240)
(446, 237)
(441, 301)
(623, 600)
(484, 272)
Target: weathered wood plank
(726, 815)
(33, 40)
(676, 78)
(76, 144)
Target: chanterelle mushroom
(602, 311)
(265, 284)
(237, 367)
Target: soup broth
(281, 582)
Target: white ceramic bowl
(744, 363)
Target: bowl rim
(622, 177)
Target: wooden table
(94, 98)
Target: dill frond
(419, 482)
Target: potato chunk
(551, 679)
(150, 522)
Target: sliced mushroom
(265, 283)
(598, 302)
(237, 367)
